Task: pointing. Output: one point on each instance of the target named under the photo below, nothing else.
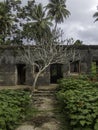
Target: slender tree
(34, 22)
(38, 26)
(38, 20)
(43, 55)
(57, 10)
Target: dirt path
(46, 119)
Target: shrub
(13, 108)
(71, 83)
(79, 100)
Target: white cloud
(81, 22)
(80, 25)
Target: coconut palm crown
(57, 9)
(40, 24)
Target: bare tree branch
(48, 52)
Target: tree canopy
(31, 22)
(5, 21)
(78, 42)
(57, 10)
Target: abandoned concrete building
(15, 72)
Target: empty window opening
(55, 73)
(36, 69)
(21, 74)
(74, 67)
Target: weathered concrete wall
(44, 78)
(9, 58)
(7, 74)
(85, 61)
(7, 67)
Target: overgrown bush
(79, 100)
(71, 83)
(14, 105)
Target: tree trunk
(35, 80)
(37, 76)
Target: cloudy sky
(80, 24)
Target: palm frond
(96, 20)
(95, 15)
(57, 9)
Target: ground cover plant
(14, 108)
(79, 101)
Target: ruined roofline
(21, 46)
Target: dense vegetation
(30, 21)
(79, 101)
(14, 108)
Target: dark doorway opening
(55, 72)
(74, 67)
(97, 67)
(21, 74)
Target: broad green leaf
(82, 122)
(96, 126)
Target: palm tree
(40, 24)
(5, 20)
(57, 10)
(96, 16)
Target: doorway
(55, 72)
(21, 74)
(75, 67)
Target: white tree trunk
(35, 80)
(37, 76)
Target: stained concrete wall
(7, 74)
(9, 58)
(44, 78)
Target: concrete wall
(9, 58)
(7, 74)
(44, 78)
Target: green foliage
(57, 9)
(71, 83)
(40, 27)
(8, 21)
(14, 105)
(38, 20)
(78, 42)
(79, 99)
